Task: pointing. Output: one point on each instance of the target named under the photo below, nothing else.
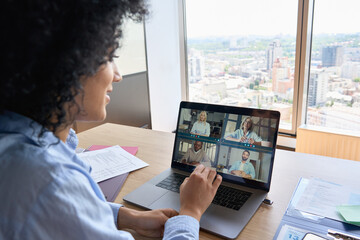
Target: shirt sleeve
(186, 156)
(207, 131)
(115, 207)
(181, 227)
(72, 207)
(235, 134)
(251, 170)
(235, 166)
(256, 137)
(193, 129)
(205, 158)
(229, 135)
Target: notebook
(239, 143)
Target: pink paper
(131, 150)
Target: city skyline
(263, 77)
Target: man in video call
(243, 168)
(196, 155)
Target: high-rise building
(196, 67)
(318, 87)
(273, 52)
(352, 54)
(332, 56)
(350, 70)
(281, 77)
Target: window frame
(302, 61)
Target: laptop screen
(239, 143)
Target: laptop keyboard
(225, 196)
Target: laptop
(239, 143)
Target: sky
(267, 17)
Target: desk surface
(155, 148)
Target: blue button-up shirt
(46, 191)
(239, 133)
(248, 168)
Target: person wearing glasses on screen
(245, 134)
(57, 68)
(201, 127)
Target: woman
(57, 68)
(201, 127)
(245, 134)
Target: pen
(340, 235)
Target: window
(333, 87)
(247, 53)
(241, 54)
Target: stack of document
(323, 208)
(330, 200)
(110, 162)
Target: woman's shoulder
(253, 133)
(25, 168)
(23, 156)
(26, 164)
(197, 123)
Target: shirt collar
(247, 134)
(12, 122)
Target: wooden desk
(156, 148)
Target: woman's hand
(146, 223)
(236, 172)
(198, 191)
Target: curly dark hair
(47, 46)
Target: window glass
(233, 117)
(333, 87)
(231, 127)
(241, 54)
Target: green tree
(227, 68)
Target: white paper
(321, 198)
(110, 162)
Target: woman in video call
(245, 134)
(57, 68)
(201, 127)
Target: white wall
(163, 59)
(132, 57)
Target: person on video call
(57, 68)
(245, 134)
(201, 127)
(243, 168)
(196, 155)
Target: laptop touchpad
(168, 200)
(151, 192)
